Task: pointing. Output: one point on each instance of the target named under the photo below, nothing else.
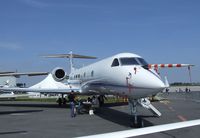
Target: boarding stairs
(144, 102)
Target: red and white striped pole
(189, 69)
(155, 66)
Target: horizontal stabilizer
(69, 56)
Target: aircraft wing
(146, 130)
(4, 72)
(7, 96)
(20, 74)
(41, 90)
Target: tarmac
(46, 120)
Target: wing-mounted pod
(59, 74)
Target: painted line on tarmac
(171, 108)
(181, 118)
(166, 102)
(18, 114)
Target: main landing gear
(61, 100)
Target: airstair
(147, 104)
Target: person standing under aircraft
(59, 101)
(71, 98)
(101, 100)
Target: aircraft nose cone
(154, 82)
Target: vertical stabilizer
(71, 62)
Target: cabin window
(115, 63)
(128, 61)
(84, 75)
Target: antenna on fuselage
(70, 56)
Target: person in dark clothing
(64, 101)
(59, 101)
(101, 100)
(89, 99)
(71, 98)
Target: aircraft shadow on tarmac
(34, 104)
(19, 111)
(115, 104)
(118, 117)
(105, 112)
(50, 105)
(13, 132)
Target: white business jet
(124, 74)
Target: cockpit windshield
(142, 61)
(128, 61)
(133, 61)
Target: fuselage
(124, 74)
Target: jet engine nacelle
(58, 74)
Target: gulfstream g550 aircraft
(124, 74)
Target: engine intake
(58, 74)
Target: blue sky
(162, 31)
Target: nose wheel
(136, 121)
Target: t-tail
(71, 56)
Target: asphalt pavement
(47, 120)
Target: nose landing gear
(136, 121)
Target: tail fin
(70, 56)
